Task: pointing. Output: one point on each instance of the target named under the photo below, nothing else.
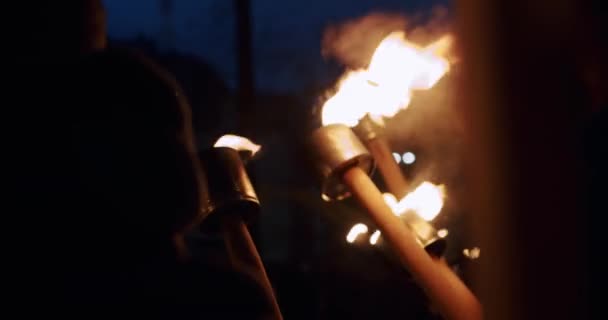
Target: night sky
(286, 34)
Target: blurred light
(442, 233)
(391, 201)
(374, 238)
(473, 253)
(397, 157)
(355, 231)
(426, 201)
(409, 158)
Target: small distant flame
(237, 143)
(396, 69)
(472, 253)
(355, 231)
(426, 201)
(374, 238)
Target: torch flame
(396, 69)
(355, 231)
(237, 143)
(426, 201)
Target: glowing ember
(355, 231)
(374, 238)
(426, 201)
(237, 143)
(397, 68)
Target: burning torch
(233, 202)
(365, 97)
(345, 164)
(343, 161)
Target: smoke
(353, 42)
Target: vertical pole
(523, 102)
(245, 81)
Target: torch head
(336, 149)
(426, 234)
(230, 189)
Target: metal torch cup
(232, 203)
(337, 149)
(229, 187)
(425, 232)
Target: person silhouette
(105, 181)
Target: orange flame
(426, 201)
(237, 143)
(397, 68)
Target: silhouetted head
(135, 139)
(106, 151)
(61, 27)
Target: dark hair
(68, 26)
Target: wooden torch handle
(245, 256)
(445, 290)
(389, 169)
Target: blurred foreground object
(524, 99)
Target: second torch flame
(397, 68)
(426, 201)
